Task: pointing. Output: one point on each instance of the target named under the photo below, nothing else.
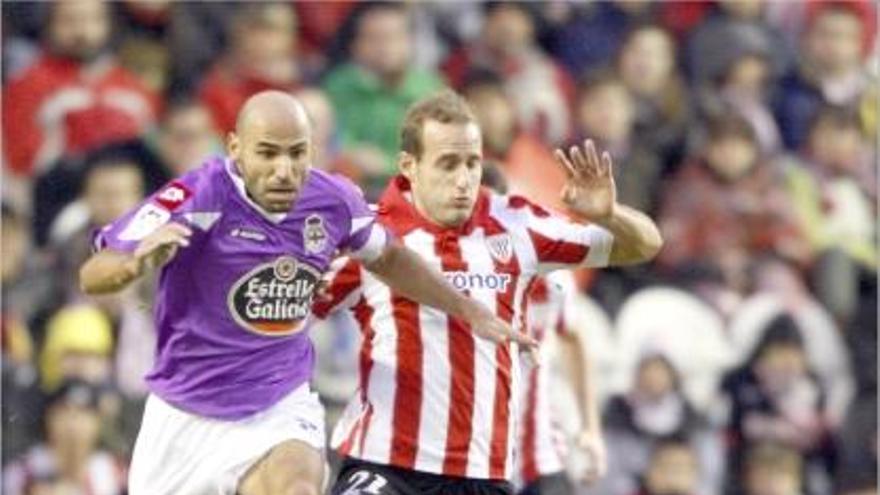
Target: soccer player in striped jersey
(542, 446)
(437, 409)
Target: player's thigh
(364, 479)
(292, 467)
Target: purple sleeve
(366, 239)
(166, 205)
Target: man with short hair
(436, 410)
(243, 243)
(75, 98)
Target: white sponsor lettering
(480, 281)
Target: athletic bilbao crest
(500, 247)
(314, 235)
(274, 298)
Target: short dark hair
(598, 78)
(836, 117)
(446, 107)
(723, 126)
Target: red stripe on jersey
(557, 251)
(346, 280)
(345, 448)
(461, 359)
(501, 406)
(408, 397)
(365, 428)
(363, 313)
(530, 437)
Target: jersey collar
(397, 211)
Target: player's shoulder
(335, 185)
(202, 184)
(516, 209)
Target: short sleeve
(561, 243)
(366, 238)
(168, 204)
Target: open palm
(589, 190)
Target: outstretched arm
(405, 272)
(590, 192)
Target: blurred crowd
(742, 361)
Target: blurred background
(742, 361)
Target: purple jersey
(233, 307)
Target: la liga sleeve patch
(173, 195)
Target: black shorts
(551, 484)
(358, 477)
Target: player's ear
(407, 164)
(233, 145)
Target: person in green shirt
(372, 90)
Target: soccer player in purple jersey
(242, 243)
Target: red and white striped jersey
(434, 397)
(541, 444)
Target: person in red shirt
(75, 97)
(263, 57)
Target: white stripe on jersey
(382, 385)
(473, 250)
(436, 365)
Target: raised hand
(589, 190)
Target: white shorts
(178, 453)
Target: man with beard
(75, 97)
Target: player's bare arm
(589, 439)
(110, 271)
(590, 192)
(406, 272)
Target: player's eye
(268, 154)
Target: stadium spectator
(79, 343)
(646, 63)
(372, 90)
(605, 112)
(653, 410)
(508, 46)
(725, 205)
(673, 470)
(112, 185)
(833, 194)
(70, 459)
(262, 56)
(773, 470)
(527, 164)
(75, 98)
(778, 289)
(776, 397)
(186, 136)
(731, 29)
(585, 36)
(835, 43)
(743, 88)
